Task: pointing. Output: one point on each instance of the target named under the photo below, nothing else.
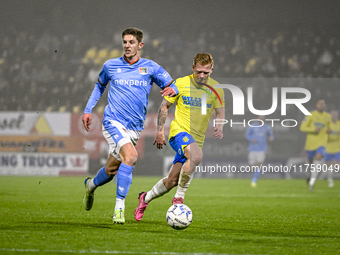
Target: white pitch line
(110, 252)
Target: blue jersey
(129, 89)
(260, 134)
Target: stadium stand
(56, 72)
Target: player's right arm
(161, 118)
(87, 117)
(307, 125)
(96, 94)
(249, 135)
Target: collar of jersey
(196, 85)
(131, 63)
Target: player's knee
(130, 159)
(196, 158)
(194, 155)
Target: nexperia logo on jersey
(131, 82)
(238, 104)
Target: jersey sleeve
(103, 78)
(98, 91)
(173, 98)
(249, 134)
(161, 77)
(307, 124)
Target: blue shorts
(320, 150)
(332, 156)
(178, 143)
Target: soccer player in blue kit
(257, 136)
(130, 78)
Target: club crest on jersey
(185, 139)
(143, 70)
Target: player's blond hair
(135, 32)
(204, 59)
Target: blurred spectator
(51, 69)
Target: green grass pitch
(44, 215)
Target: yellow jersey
(314, 140)
(333, 143)
(188, 114)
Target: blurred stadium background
(52, 51)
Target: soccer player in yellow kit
(316, 126)
(333, 147)
(187, 130)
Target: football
(179, 216)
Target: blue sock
(124, 180)
(256, 174)
(101, 178)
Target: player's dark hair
(135, 32)
(204, 59)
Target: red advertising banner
(93, 141)
(40, 144)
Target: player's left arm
(163, 79)
(169, 90)
(307, 125)
(218, 129)
(248, 135)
